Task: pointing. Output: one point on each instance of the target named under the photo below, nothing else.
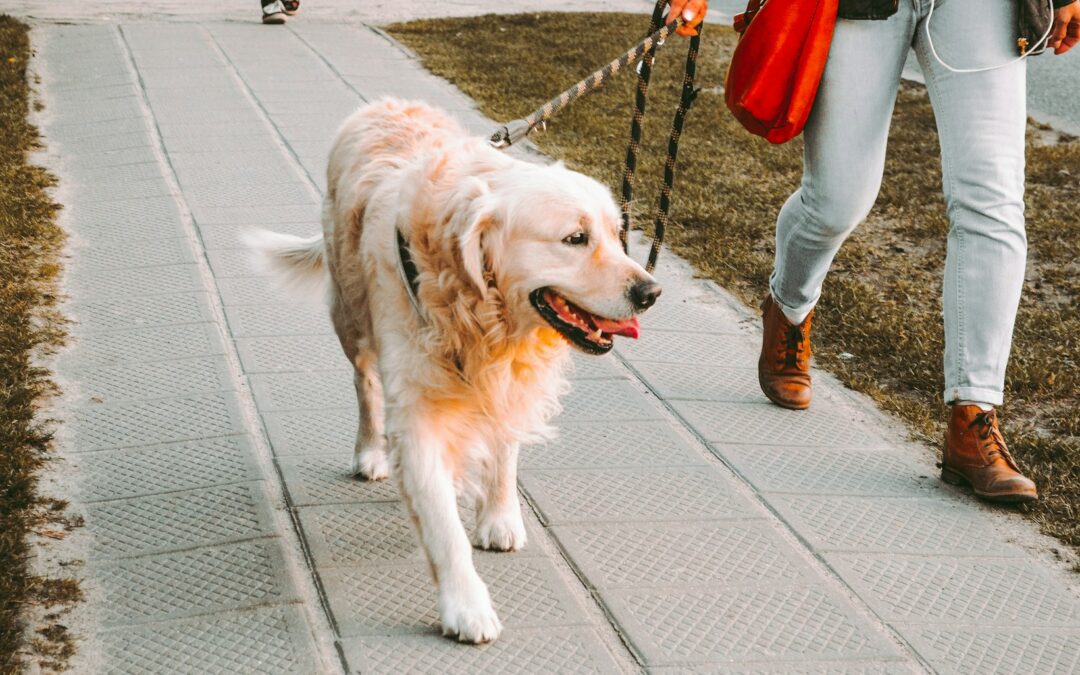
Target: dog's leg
(369, 456)
(427, 489)
(499, 525)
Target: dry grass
(29, 241)
(882, 302)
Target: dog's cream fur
(447, 395)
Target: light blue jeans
(981, 122)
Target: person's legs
(981, 120)
(844, 157)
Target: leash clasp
(513, 132)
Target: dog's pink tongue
(626, 327)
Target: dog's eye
(578, 238)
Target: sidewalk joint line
(829, 571)
(267, 118)
(326, 62)
(245, 401)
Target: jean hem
(792, 312)
(979, 394)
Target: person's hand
(693, 12)
(1066, 30)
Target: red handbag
(777, 65)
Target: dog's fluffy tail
(295, 262)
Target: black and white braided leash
(645, 51)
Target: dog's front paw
(500, 532)
(371, 463)
(467, 613)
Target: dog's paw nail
(371, 465)
(503, 533)
(469, 615)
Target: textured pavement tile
(596, 368)
(264, 640)
(312, 432)
(1009, 592)
(201, 581)
(877, 666)
(115, 474)
(607, 400)
(265, 215)
(144, 345)
(121, 192)
(889, 525)
(216, 237)
(123, 255)
(249, 291)
(105, 142)
(328, 479)
(178, 520)
(294, 353)
(691, 317)
(138, 381)
(125, 173)
(293, 318)
(701, 382)
(303, 391)
(238, 262)
(975, 650)
(667, 554)
(699, 623)
(519, 651)
(115, 123)
(284, 191)
(767, 424)
(359, 534)
(157, 421)
(581, 445)
(200, 171)
(112, 158)
(141, 281)
(839, 471)
(139, 232)
(628, 494)
(379, 600)
(113, 314)
(347, 535)
(693, 348)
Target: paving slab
(679, 523)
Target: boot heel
(953, 477)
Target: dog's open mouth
(583, 329)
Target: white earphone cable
(930, 43)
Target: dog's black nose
(644, 294)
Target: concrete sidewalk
(680, 523)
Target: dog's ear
(478, 217)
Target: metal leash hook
(515, 130)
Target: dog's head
(548, 239)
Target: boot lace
(792, 349)
(986, 425)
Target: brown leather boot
(975, 455)
(784, 365)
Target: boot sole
(953, 477)
(782, 403)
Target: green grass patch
(29, 242)
(881, 307)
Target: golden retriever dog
(512, 263)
